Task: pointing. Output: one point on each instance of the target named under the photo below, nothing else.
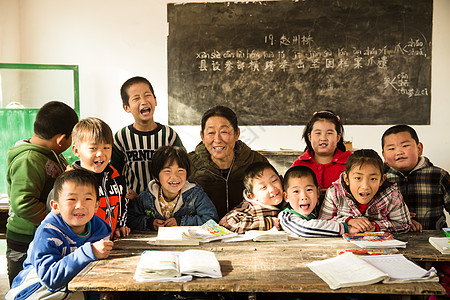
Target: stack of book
(374, 240)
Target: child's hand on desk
(361, 224)
(352, 229)
(170, 222)
(121, 232)
(158, 223)
(276, 223)
(102, 248)
(415, 226)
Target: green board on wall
(16, 125)
(31, 86)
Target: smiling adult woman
(220, 160)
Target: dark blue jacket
(193, 209)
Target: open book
(374, 240)
(350, 270)
(191, 235)
(441, 243)
(158, 266)
(209, 231)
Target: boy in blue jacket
(68, 239)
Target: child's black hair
(94, 129)
(165, 156)
(327, 115)
(364, 156)
(126, 85)
(253, 171)
(397, 129)
(54, 118)
(221, 111)
(78, 177)
(298, 172)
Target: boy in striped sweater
(301, 192)
(135, 144)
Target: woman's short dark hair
(329, 116)
(166, 155)
(298, 172)
(364, 156)
(221, 111)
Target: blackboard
(277, 62)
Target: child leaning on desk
(263, 200)
(169, 199)
(301, 192)
(425, 187)
(362, 197)
(68, 239)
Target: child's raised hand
(122, 231)
(170, 222)
(361, 224)
(102, 248)
(158, 223)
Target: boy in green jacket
(33, 166)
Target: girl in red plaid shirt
(363, 198)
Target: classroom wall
(112, 40)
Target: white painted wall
(112, 40)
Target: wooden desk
(252, 267)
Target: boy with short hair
(301, 192)
(68, 239)
(33, 166)
(92, 144)
(425, 187)
(263, 200)
(135, 144)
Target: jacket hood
(23, 146)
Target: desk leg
(251, 296)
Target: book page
(272, 235)
(396, 266)
(161, 265)
(441, 243)
(380, 244)
(200, 263)
(346, 270)
(175, 236)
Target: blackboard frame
(393, 33)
